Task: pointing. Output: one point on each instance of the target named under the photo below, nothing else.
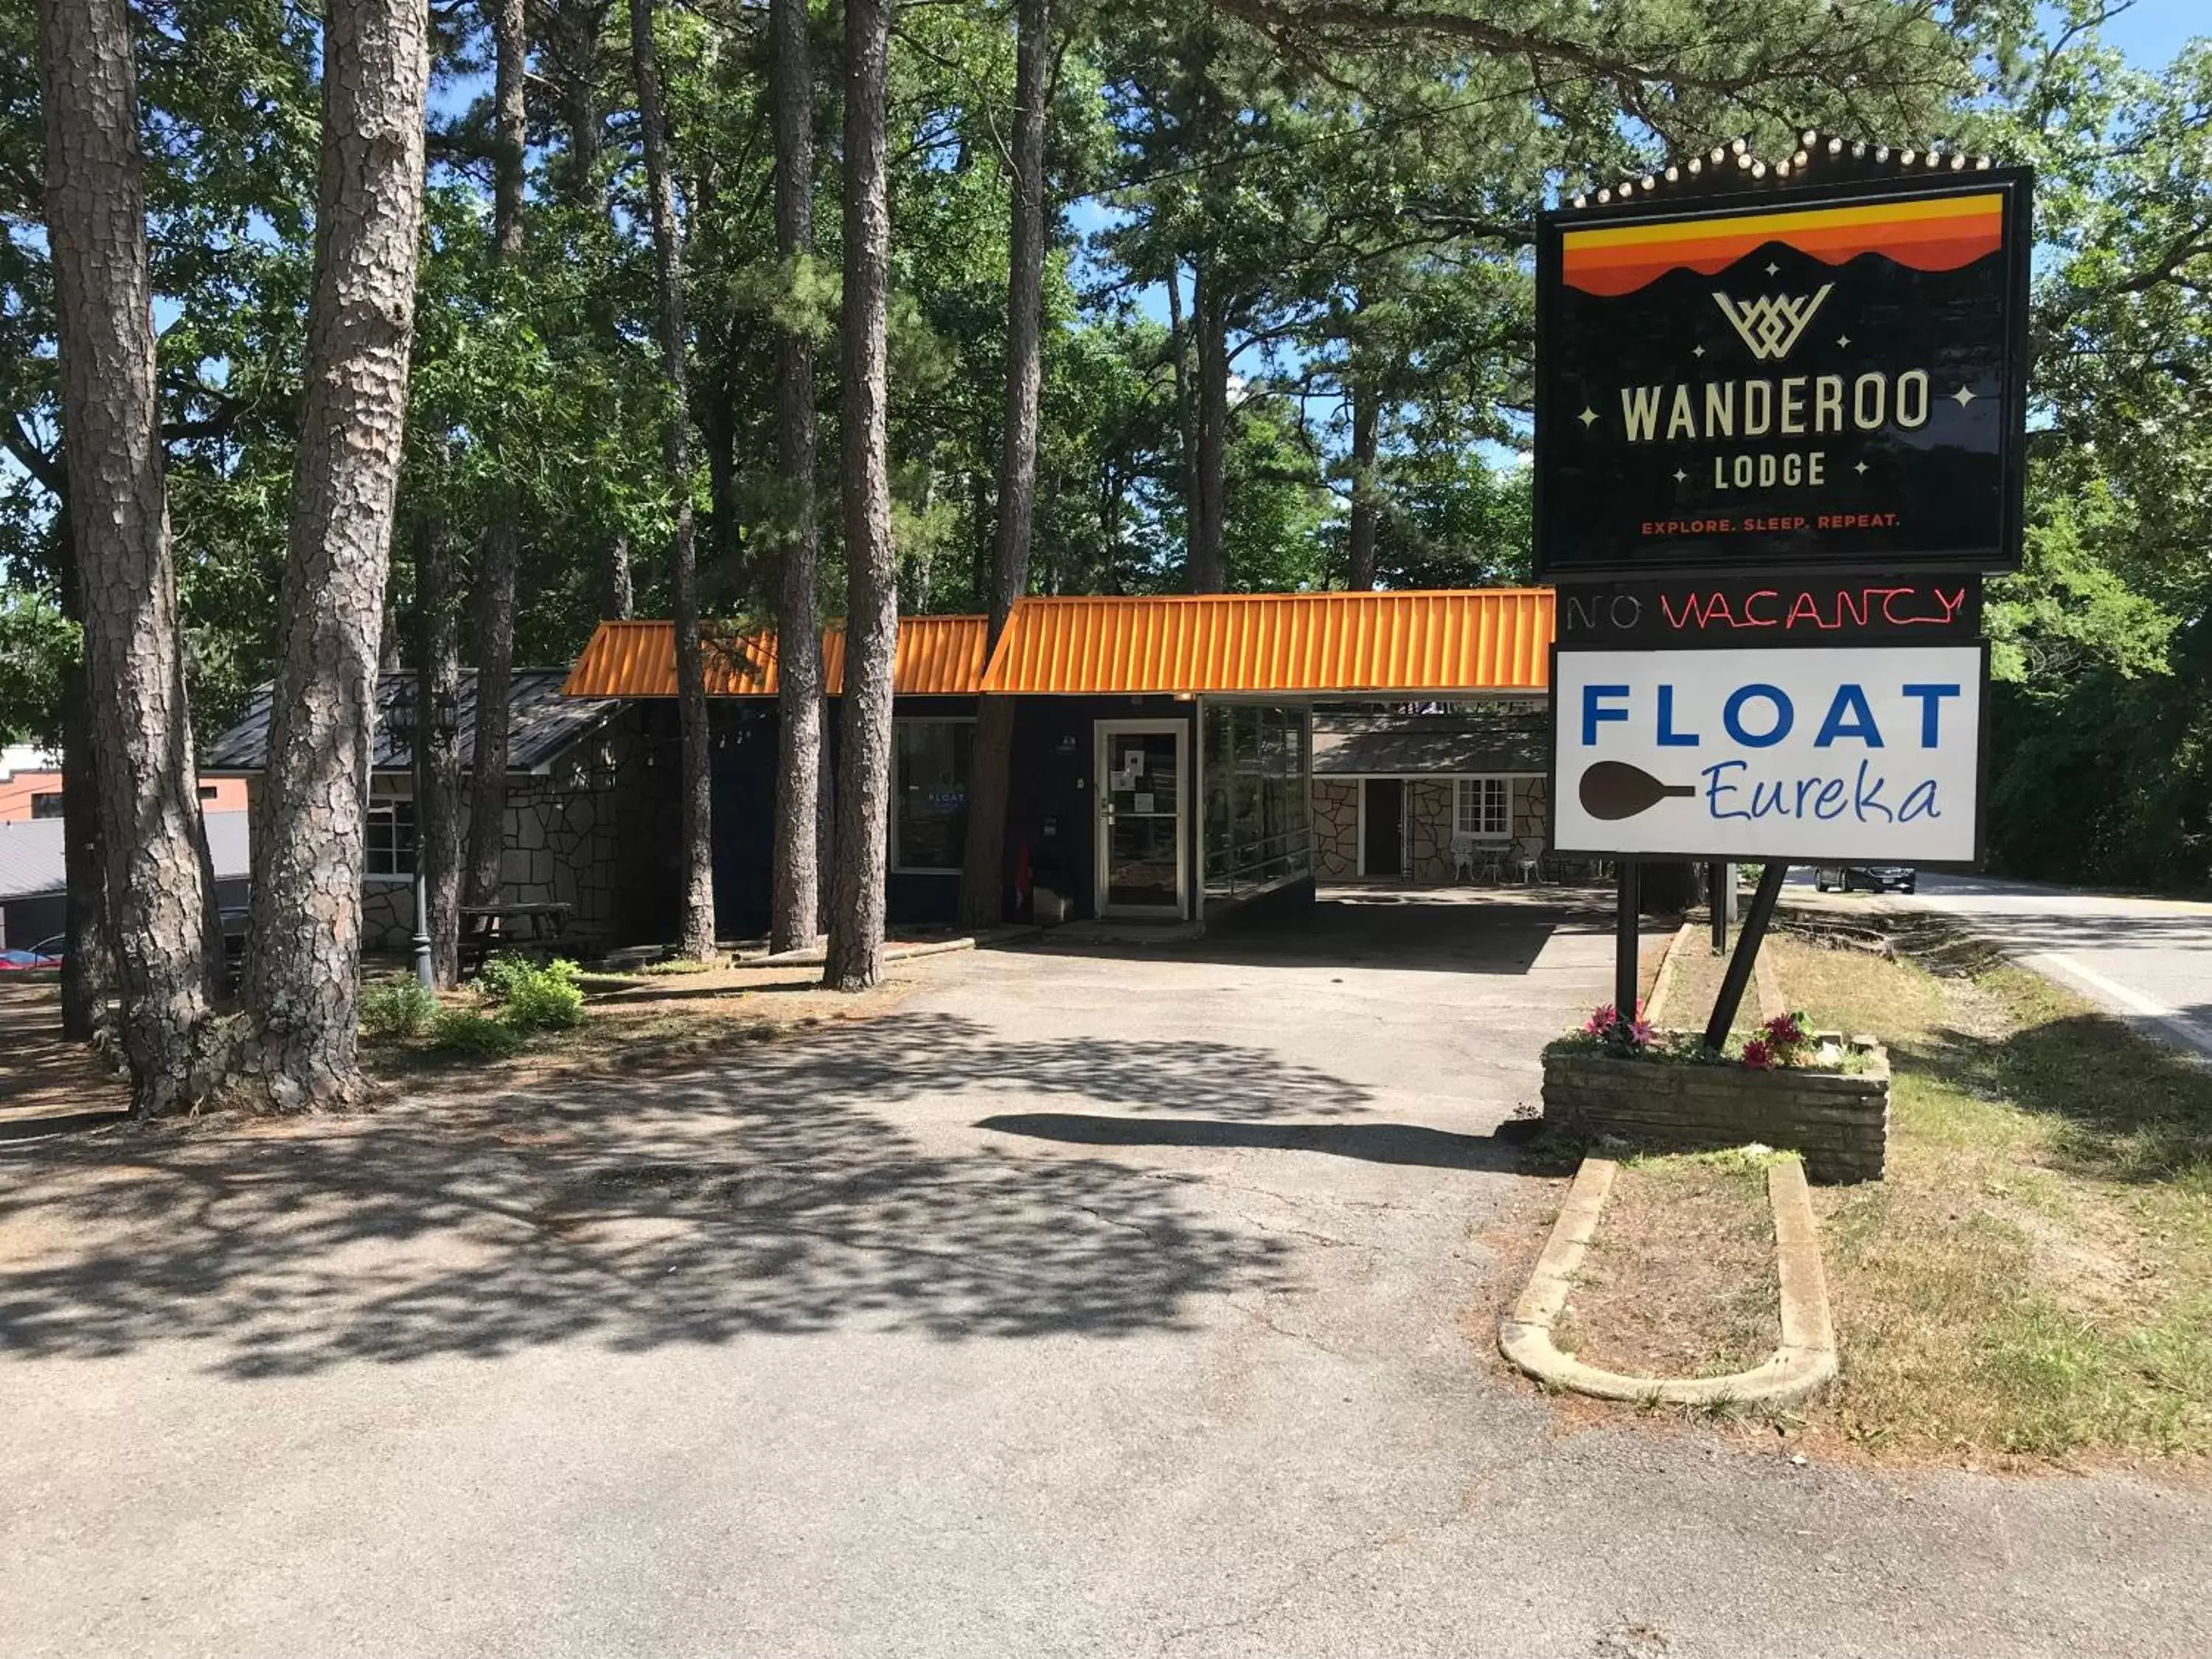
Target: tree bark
(855, 959)
(87, 975)
(124, 564)
(795, 898)
(510, 136)
(572, 34)
(496, 573)
(1366, 507)
(621, 596)
(438, 686)
(303, 955)
(696, 869)
(1186, 421)
(1210, 318)
(499, 567)
(982, 886)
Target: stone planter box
(1839, 1120)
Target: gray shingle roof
(1387, 746)
(540, 724)
(32, 854)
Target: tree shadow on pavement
(766, 1194)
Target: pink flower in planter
(1759, 1055)
(1785, 1031)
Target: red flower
(1758, 1055)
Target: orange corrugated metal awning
(938, 656)
(1468, 640)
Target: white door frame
(1101, 730)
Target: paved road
(2149, 960)
(1092, 1304)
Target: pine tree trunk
(695, 877)
(438, 686)
(496, 573)
(856, 926)
(125, 565)
(795, 900)
(303, 958)
(87, 975)
(1185, 424)
(510, 136)
(982, 885)
(621, 596)
(573, 28)
(1208, 572)
(1367, 508)
(498, 568)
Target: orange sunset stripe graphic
(1939, 234)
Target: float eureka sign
(1812, 376)
(1844, 754)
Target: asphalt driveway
(1097, 1301)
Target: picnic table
(539, 930)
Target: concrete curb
(1803, 1364)
(1662, 983)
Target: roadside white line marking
(2183, 1026)
(2120, 993)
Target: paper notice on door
(1134, 762)
(1144, 803)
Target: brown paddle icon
(1614, 789)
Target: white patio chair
(1463, 855)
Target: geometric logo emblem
(1770, 324)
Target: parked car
(23, 962)
(1865, 878)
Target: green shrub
(397, 1007)
(547, 1000)
(466, 1031)
(534, 996)
(501, 973)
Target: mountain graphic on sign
(1614, 789)
(1942, 233)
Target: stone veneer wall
(1532, 812)
(566, 833)
(1431, 811)
(1839, 1120)
(1336, 828)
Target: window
(1258, 765)
(930, 764)
(391, 849)
(209, 792)
(46, 803)
(1483, 809)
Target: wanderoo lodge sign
(1823, 375)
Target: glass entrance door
(1140, 807)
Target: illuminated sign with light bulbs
(1819, 363)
